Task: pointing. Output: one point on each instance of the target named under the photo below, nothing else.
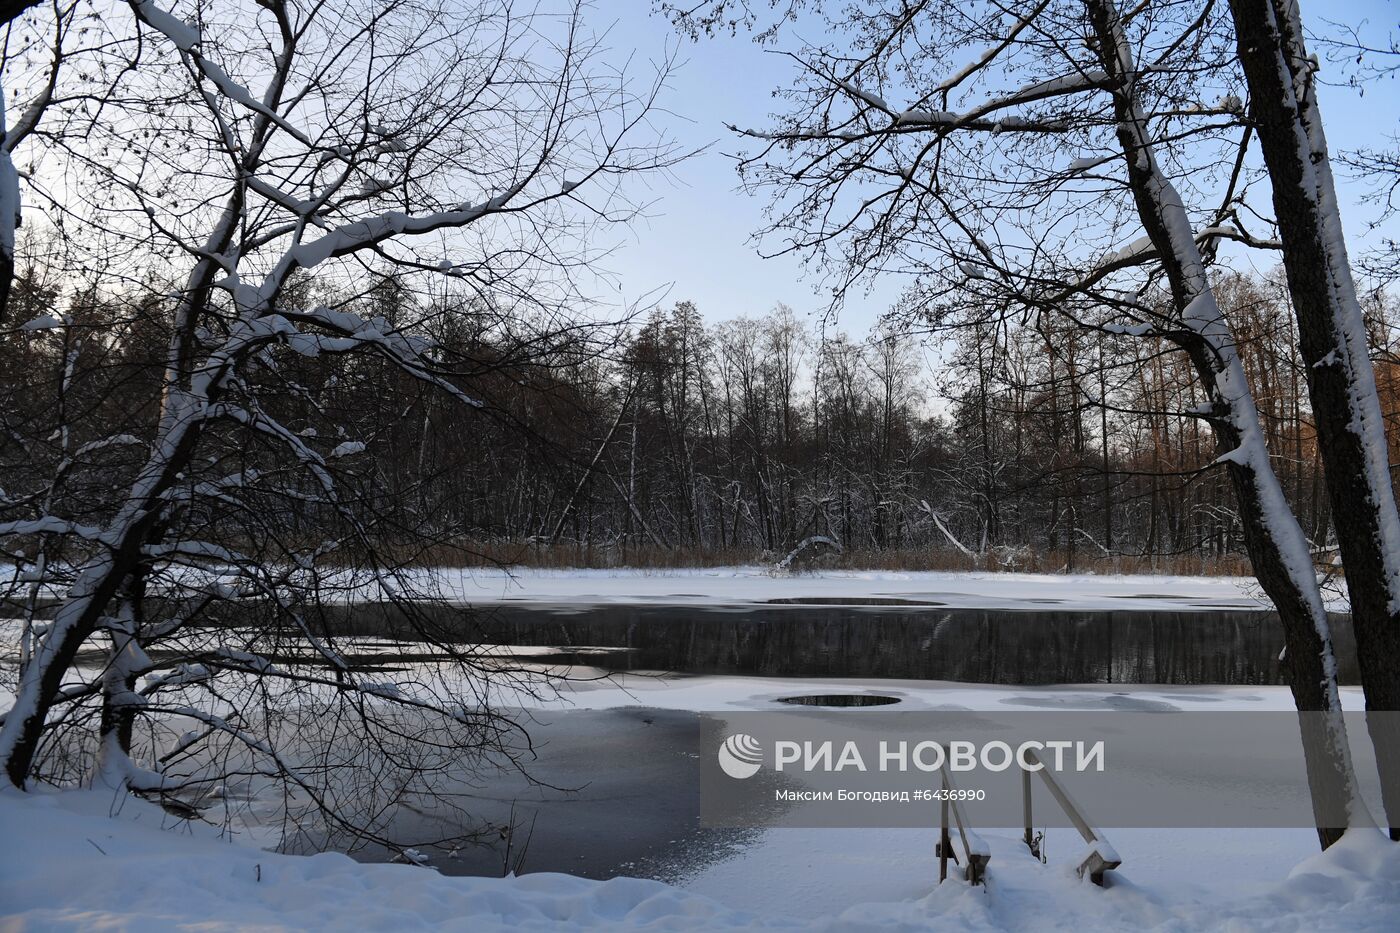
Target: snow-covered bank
(749, 586)
(66, 865)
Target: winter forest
(346, 438)
(668, 440)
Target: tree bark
(1275, 542)
(1335, 352)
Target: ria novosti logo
(740, 756)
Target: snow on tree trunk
(95, 588)
(9, 211)
(1336, 354)
(234, 321)
(808, 550)
(1277, 546)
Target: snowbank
(66, 865)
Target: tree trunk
(1335, 351)
(1277, 547)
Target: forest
(672, 438)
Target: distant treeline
(674, 440)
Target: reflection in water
(969, 645)
(840, 699)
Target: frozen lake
(638, 672)
(641, 670)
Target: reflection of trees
(967, 645)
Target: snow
(1103, 850)
(709, 693)
(141, 869)
(67, 866)
(751, 586)
(42, 322)
(1087, 163)
(1238, 455)
(9, 191)
(184, 36)
(1139, 247)
(1129, 330)
(85, 860)
(230, 88)
(874, 100)
(358, 234)
(1078, 81)
(972, 270)
(116, 440)
(926, 116)
(808, 542)
(50, 524)
(942, 527)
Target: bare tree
(283, 160)
(1006, 186)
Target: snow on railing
(976, 852)
(1100, 855)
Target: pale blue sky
(696, 238)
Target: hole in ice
(840, 699)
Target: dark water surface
(914, 643)
(609, 792)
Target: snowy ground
(140, 872)
(715, 693)
(744, 586)
(67, 865)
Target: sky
(695, 242)
(696, 236)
